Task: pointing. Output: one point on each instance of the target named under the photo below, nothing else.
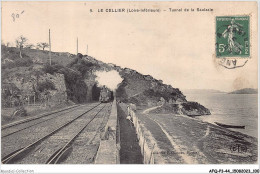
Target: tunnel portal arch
(95, 92)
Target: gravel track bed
(87, 155)
(36, 122)
(53, 143)
(85, 147)
(27, 136)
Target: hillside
(245, 91)
(72, 77)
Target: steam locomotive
(105, 95)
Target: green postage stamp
(232, 36)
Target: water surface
(234, 109)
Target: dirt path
(169, 152)
(130, 152)
(150, 109)
(163, 133)
(185, 158)
(204, 143)
(189, 149)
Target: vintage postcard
(94, 83)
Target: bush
(23, 62)
(81, 65)
(193, 105)
(45, 85)
(20, 112)
(49, 69)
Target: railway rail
(31, 134)
(57, 156)
(20, 153)
(86, 145)
(28, 123)
(36, 117)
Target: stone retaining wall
(147, 147)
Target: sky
(176, 47)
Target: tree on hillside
(7, 44)
(42, 45)
(20, 43)
(29, 46)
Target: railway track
(62, 152)
(28, 123)
(35, 117)
(24, 137)
(50, 143)
(36, 134)
(86, 145)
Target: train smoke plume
(110, 79)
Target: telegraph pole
(77, 46)
(50, 45)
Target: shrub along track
(62, 130)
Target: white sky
(177, 48)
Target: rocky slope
(186, 108)
(146, 91)
(72, 77)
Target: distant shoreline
(213, 91)
(245, 91)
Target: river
(234, 109)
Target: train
(106, 95)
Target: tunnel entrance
(112, 96)
(95, 92)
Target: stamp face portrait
(232, 36)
